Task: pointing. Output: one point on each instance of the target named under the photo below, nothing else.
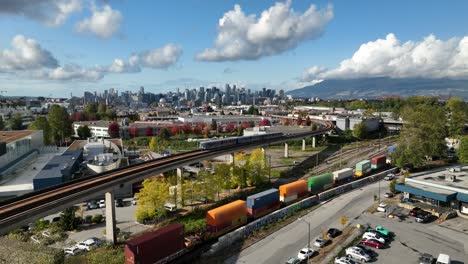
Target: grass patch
(275, 173)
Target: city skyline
(59, 47)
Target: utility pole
(308, 242)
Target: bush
(40, 225)
(97, 218)
(88, 219)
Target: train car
(263, 203)
(320, 182)
(271, 135)
(378, 162)
(226, 217)
(362, 168)
(167, 241)
(293, 191)
(342, 175)
(245, 139)
(218, 143)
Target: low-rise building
(98, 129)
(59, 169)
(347, 122)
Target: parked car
(366, 250)
(333, 232)
(305, 253)
(56, 219)
(320, 242)
(102, 203)
(443, 259)
(344, 260)
(357, 253)
(426, 259)
(372, 243)
(293, 260)
(388, 195)
(369, 235)
(119, 203)
(389, 177)
(92, 205)
(382, 207)
(134, 201)
(415, 211)
(382, 231)
(72, 251)
(88, 243)
(422, 218)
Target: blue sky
(187, 28)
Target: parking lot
(411, 239)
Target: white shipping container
(342, 174)
(288, 199)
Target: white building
(99, 129)
(102, 155)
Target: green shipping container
(363, 166)
(317, 183)
(374, 166)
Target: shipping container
(392, 148)
(343, 174)
(263, 199)
(154, 246)
(222, 217)
(317, 183)
(379, 160)
(293, 191)
(358, 173)
(363, 166)
(261, 211)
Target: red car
(372, 243)
(415, 211)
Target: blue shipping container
(391, 148)
(263, 199)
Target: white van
(170, 207)
(443, 259)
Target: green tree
(84, 132)
(91, 108)
(68, 220)
(257, 166)
(458, 116)
(463, 150)
(348, 134)
(2, 123)
(152, 197)
(164, 134)
(153, 145)
(223, 177)
(16, 122)
(41, 123)
(360, 130)
(59, 124)
(392, 186)
(214, 125)
(422, 135)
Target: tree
(68, 220)
(223, 176)
(84, 132)
(41, 123)
(308, 121)
(133, 131)
(151, 199)
(422, 135)
(314, 126)
(187, 128)
(110, 114)
(392, 186)
(102, 109)
(458, 116)
(2, 123)
(149, 131)
(113, 130)
(214, 125)
(207, 131)
(164, 134)
(229, 127)
(348, 134)
(299, 121)
(80, 116)
(287, 122)
(153, 145)
(360, 130)
(264, 122)
(176, 130)
(16, 122)
(463, 150)
(59, 124)
(91, 108)
(257, 166)
(197, 130)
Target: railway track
(13, 212)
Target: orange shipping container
(297, 187)
(226, 213)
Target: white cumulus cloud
(103, 22)
(278, 29)
(49, 12)
(25, 54)
(428, 58)
(71, 72)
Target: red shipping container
(379, 160)
(154, 246)
(263, 210)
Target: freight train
(217, 143)
(228, 217)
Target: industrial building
(347, 122)
(17, 147)
(98, 128)
(223, 120)
(443, 190)
(58, 169)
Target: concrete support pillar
(111, 233)
(286, 150)
(178, 192)
(313, 142)
(303, 144)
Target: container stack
(228, 216)
(378, 162)
(362, 168)
(320, 182)
(262, 203)
(293, 191)
(342, 175)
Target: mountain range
(383, 86)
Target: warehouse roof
(442, 179)
(57, 163)
(11, 136)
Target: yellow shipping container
(358, 173)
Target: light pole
(308, 242)
(379, 191)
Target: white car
(344, 260)
(369, 235)
(389, 177)
(134, 201)
(320, 242)
(88, 243)
(102, 204)
(72, 251)
(305, 253)
(357, 253)
(382, 207)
